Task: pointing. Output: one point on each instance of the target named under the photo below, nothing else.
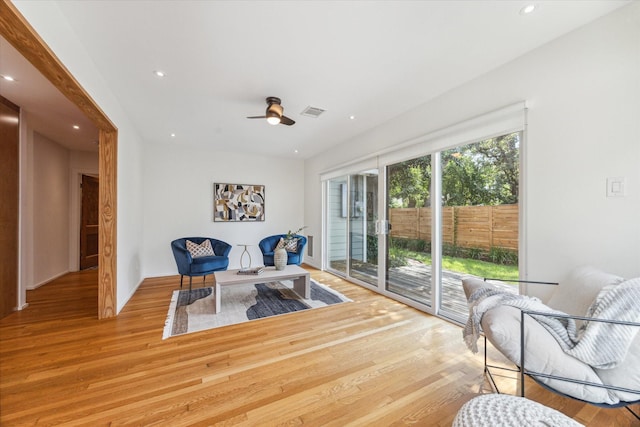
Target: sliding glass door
(409, 272)
(429, 221)
(363, 240)
(352, 212)
(480, 187)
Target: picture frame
(238, 202)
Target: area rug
(241, 303)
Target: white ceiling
(49, 112)
(370, 59)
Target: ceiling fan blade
(284, 120)
(257, 117)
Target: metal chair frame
(522, 371)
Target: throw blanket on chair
(604, 345)
(484, 299)
(598, 344)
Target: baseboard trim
(133, 291)
(21, 307)
(312, 262)
(44, 282)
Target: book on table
(254, 270)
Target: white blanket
(600, 345)
(605, 345)
(484, 299)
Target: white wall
(178, 200)
(583, 94)
(51, 25)
(50, 188)
(25, 260)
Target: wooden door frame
(17, 31)
(10, 177)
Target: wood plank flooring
(372, 362)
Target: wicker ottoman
(494, 410)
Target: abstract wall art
(238, 203)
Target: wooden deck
(414, 282)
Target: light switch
(616, 187)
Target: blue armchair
(200, 266)
(268, 244)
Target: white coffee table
(300, 277)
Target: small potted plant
(291, 235)
(288, 242)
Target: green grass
(464, 265)
(480, 268)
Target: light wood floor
(372, 362)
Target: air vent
(312, 112)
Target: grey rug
(241, 303)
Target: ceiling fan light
(273, 118)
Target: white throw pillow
(575, 294)
(291, 245)
(200, 250)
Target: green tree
(463, 179)
(482, 173)
(410, 182)
(501, 154)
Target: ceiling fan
(274, 113)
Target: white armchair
(513, 329)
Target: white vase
(280, 258)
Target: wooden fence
(481, 227)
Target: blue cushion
(207, 264)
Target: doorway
(89, 222)
(15, 29)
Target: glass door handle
(383, 226)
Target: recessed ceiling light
(527, 9)
(159, 73)
(295, 151)
(9, 78)
(173, 135)
(352, 117)
(76, 127)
